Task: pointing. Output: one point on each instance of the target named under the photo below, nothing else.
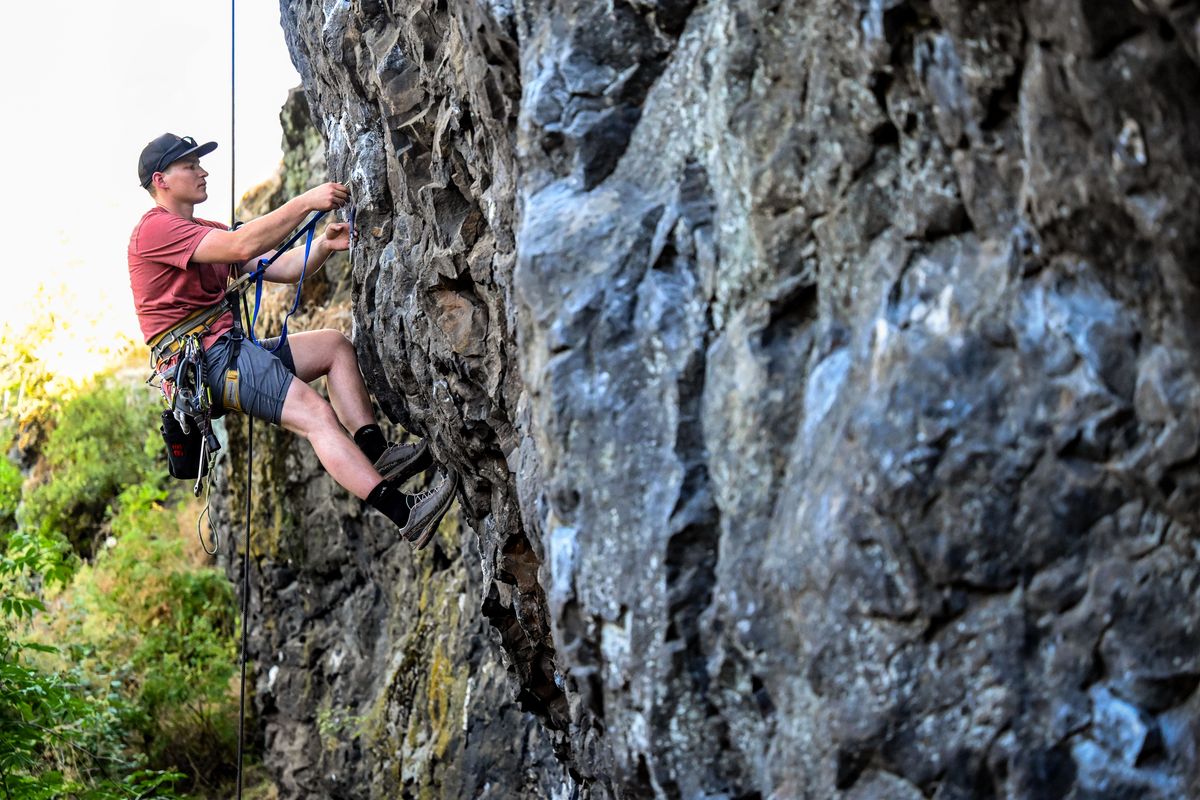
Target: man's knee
(342, 347)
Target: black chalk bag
(184, 450)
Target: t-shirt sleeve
(169, 239)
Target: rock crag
(824, 386)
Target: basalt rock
(373, 672)
(823, 380)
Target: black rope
(232, 112)
(241, 748)
(245, 602)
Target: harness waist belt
(167, 343)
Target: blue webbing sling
(307, 231)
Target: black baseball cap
(165, 150)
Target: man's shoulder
(208, 223)
(159, 226)
(160, 216)
(150, 214)
(157, 220)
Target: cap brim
(199, 151)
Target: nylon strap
(307, 231)
(166, 344)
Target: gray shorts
(263, 377)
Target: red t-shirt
(166, 285)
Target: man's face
(185, 179)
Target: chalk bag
(185, 456)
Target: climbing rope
(308, 231)
(245, 606)
(241, 747)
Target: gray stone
(822, 377)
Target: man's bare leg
(330, 353)
(307, 414)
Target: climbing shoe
(400, 462)
(426, 509)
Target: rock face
(824, 388)
(374, 672)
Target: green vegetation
(10, 493)
(117, 634)
(103, 440)
(59, 732)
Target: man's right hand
(327, 196)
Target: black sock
(387, 498)
(371, 441)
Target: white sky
(88, 85)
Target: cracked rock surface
(824, 386)
(373, 671)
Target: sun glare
(66, 300)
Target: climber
(179, 269)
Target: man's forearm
(261, 234)
(288, 267)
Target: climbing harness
(187, 420)
(178, 369)
(200, 322)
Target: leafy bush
(180, 622)
(27, 385)
(103, 440)
(128, 674)
(10, 493)
(57, 739)
(169, 626)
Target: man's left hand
(337, 236)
